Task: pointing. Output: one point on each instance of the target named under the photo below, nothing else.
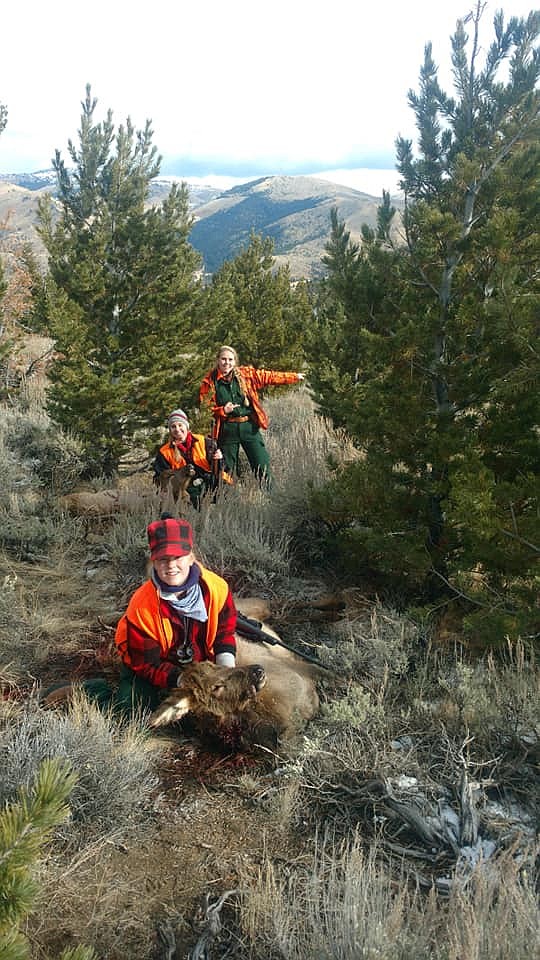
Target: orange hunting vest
(144, 612)
(176, 459)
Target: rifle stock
(252, 630)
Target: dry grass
(115, 771)
(87, 897)
(306, 452)
(345, 904)
(235, 538)
(50, 609)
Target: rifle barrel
(252, 630)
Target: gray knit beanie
(177, 416)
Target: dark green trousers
(135, 695)
(248, 437)
(196, 493)
(132, 696)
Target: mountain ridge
(293, 210)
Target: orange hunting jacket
(145, 614)
(252, 379)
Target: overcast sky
(233, 87)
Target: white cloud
(364, 179)
(290, 83)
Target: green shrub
(25, 826)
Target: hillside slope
(293, 211)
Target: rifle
(217, 465)
(252, 630)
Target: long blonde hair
(236, 372)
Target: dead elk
(266, 699)
(91, 503)
(102, 504)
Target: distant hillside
(293, 211)
(18, 220)
(20, 193)
(45, 180)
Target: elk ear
(170, 711)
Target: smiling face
(226, 362)
(174, 571)
(179, 430)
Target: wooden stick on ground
(210, 925)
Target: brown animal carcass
(266, 699)
(106, 503)
(91, 503)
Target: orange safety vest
(144, 612)
(176, 459)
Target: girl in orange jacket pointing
(231, 392)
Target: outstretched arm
(261, 378)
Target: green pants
(135, 695)
(197, 492)
(248, 437)
(132, 696)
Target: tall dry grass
(344, 904)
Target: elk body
(91, 503)
(266, 699)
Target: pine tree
(253, 306)
(121, 289)
(25, 827)
(438, 388)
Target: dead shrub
(346, 904)
(341, 904)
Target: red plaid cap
(169, 538)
